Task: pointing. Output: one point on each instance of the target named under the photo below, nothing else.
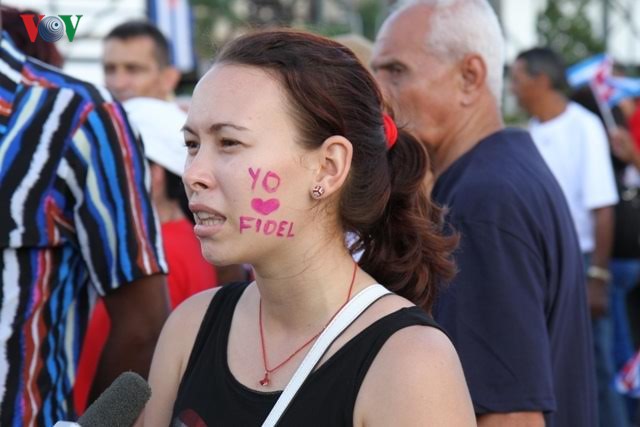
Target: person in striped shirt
(76, 222)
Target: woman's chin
(220, 259)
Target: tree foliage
(565, 27)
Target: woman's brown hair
(384, 201)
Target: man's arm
(137, 311)
(598, 270)
(623, 147)
(512, 419)
(118, 235)
(599, 197)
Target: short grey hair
(460, 27)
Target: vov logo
(50, 28)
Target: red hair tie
(390, 130)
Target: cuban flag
(175, 19)
(628, 379)
(584, 71)
(597, 71)
(623, 87)
(600, 81)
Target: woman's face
(247, 179)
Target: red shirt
(189, 273)
(634, 125)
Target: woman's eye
(191, 145)
(226, 142)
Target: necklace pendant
(265, 381)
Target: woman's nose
(198, 173)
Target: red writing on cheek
(265, 207)
(271, 227)
(272, 186)
(281, 227)
(270, 182)
(245, 223)
(254, 177)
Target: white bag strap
(343, 319)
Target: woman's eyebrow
(216, 127)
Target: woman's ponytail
(406, 249)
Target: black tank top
(209, 395)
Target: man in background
(516, 312)
(77, 222)
(137, 62)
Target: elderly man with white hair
(517, 310)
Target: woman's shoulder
(414, 338)
(192, 311)
(420, 344)
(196, 305)
(417, 334)
(174, 348)
(185, 320)
(398, 313)
(419, 368)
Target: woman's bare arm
(171, 356)
(416, 380)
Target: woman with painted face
(289, 148)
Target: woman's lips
(208, 221)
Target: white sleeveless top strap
(343, 319)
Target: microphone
(120, 404)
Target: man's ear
(334, 163)
(473, 72)
(170, 79)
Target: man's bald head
(454, 28)
(440, 66)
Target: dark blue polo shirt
(517, 310)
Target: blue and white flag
(597, 71)
(585, 71)
(623, 87)
(627, 381)
(175, 19)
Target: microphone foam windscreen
(120, 404)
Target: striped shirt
(76, 221)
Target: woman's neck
(301, 296)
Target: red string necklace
(265, 381)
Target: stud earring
(317, 192)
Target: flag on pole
(608, 90)
(597, 71)
(584, 71)
(175, 19)
(623, 87)
(628, 379)
(600, 80)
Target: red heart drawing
(265, 207)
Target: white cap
(159, 123)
